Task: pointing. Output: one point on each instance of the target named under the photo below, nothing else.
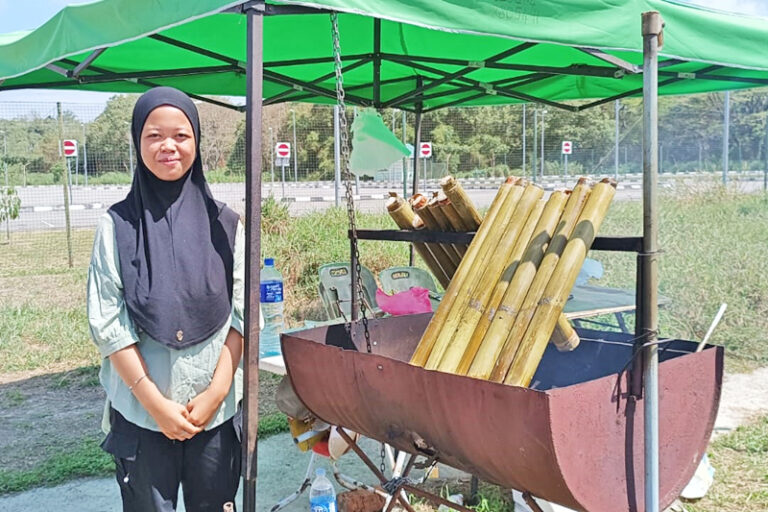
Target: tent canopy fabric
(409, 54)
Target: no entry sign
(567, 147)
(70, 147)
(425, 150)
(283, 150)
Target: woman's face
(167, 143)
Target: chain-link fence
(475, 144)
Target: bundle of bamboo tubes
(448, 210)
(506, 296)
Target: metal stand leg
(303, 487)
(401, 484)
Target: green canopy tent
(422, 54)
(416, 55)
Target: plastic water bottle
(271, 303)
(322, 496)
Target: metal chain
(343, 144)
(381, 464)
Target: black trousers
(150, 467)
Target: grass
(741, 472)
(88, 459)
(715, 246)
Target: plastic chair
(336, 291)
(400, 279)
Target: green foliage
(57, 171)
(275, 216)
(9, 204)
(109, 136)
(272, 424)
(236, 160)
(751, 439)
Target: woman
(165, 307)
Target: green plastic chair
(400, 279)
(336, 291)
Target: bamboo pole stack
(403, 215)
(506, 297)
(449, 210)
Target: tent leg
(652, 35)
(416, 144)
(254, 77)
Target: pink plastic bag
(415, 300)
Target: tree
(109, 137)
(219, 130)
(10, 204)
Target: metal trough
(574, 438)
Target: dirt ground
(42, 414)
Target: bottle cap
(320, 472)
(269, 262)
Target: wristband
(130, 388)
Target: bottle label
(272, 291)
(323, 504)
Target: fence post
(336, 156)
(765, 153)
(726, 133)
(616, 109)
(66, 192)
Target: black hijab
(175, 243)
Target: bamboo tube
(473, 270)
(564, 337)
(402, 213)
(488, 277)
(516, 310)
(428, 339)
(441, 254)
(419, 202)
(461, 202)
(455, 222)
(556, 293)
(518, 274)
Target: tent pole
(377, 62)
(652, 36)
(416, 144)
(253, 162)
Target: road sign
(567, 147)
(282, 161)
(70, 148)
(283, 150)
(425, 150)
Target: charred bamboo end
(419, 201)
(394, 203)
(448, 182)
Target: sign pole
(566, 167)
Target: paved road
(43, 207)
